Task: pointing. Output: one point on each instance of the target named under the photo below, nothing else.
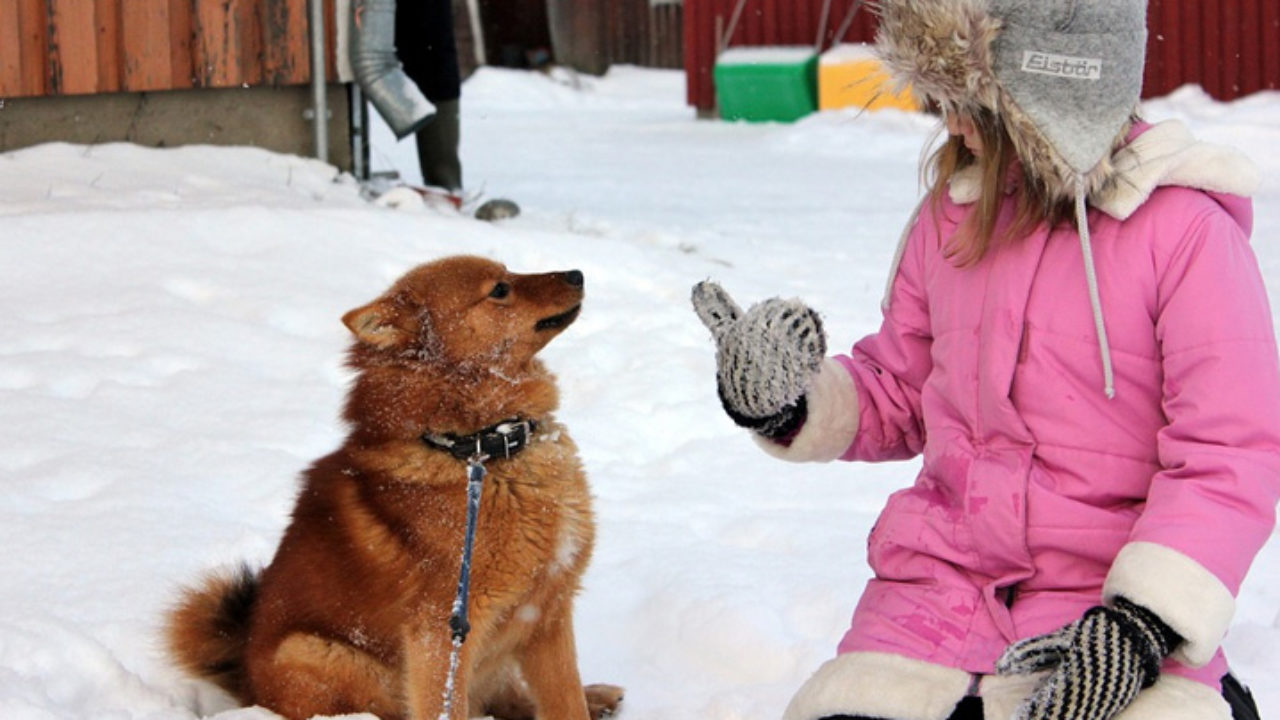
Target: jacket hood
(1163, 154)
(1167, 154)
(1064, 76)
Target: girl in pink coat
(1077, 340)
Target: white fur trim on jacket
(879, 685)
(1166, 154)
(832, 422)
(1181, 591)
(882, 685)
(1171, 698)
(1177, 698)
(1002, 695)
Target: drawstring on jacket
(1095, 299)
(898, 253)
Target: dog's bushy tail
(209, 629)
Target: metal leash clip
(514, 435)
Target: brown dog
(353, 614)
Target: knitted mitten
(765, 357)
(1098, 663)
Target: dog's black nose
(574, 278)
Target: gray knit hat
(1063, 75)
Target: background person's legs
(429, 52)
(438, 148)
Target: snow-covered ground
(171, 358)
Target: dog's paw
(603, 700)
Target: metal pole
(477, 32)
(733, 25)
(359, 134)
(848, 22)
(822, 26)
(320, 120)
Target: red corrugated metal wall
(1230, 47)
(763, 22)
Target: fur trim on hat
(941, 49)
(944, 51)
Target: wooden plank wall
(596, 34)
(638, 32)
(666, 36)
(69, 47)
(1230, 47)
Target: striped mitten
(1098, 663)
(766, 358)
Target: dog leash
(458, 621)
(504, 440)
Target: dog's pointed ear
(374, 324)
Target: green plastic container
(759, 84)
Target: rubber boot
(438, 148)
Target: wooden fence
(591, 35)
(67, 47)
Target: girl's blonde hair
(978, 233)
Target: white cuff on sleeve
(832, 421)
(1181, 591)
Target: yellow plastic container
(850, 75)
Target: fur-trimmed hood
(1154, 156)
(1064, 76)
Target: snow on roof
(848, 52)
(766, 55)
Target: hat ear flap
(375, 325)
(941, 49)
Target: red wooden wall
(68, 47)
(1230, 47)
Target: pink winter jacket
(1038, 495)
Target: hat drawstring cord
(1095, 299)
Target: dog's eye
(500, 291)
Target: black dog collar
(496, 442)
